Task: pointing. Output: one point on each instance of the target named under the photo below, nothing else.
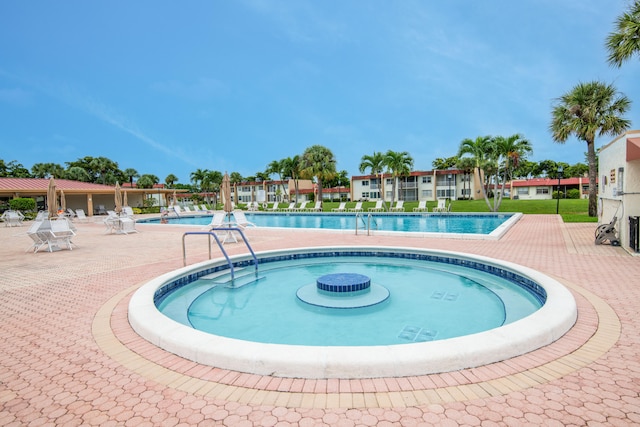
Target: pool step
(221, 273)
(242, 277)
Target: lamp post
(558, 200)
(449, 185)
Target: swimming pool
(488, 225)
(550, 322)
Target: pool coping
(559, 314)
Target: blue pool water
(426, 223)
(428, 300)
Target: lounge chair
(274, 208)
(356, 208)
(422, 206)
(316, 208)
(379, 207)
(196, 208)
(302, 207)
(38, 237)
(127, 211)
(80, 215)
(111, 222)
(252, 206)
(608, 232)
(204, 208)
(42, 215)
(187, 209)
(442, 206)
(101, 210)
(240, 219)
(342, 207)
(70, 213)
(290, 208)
(12, 218)
(177, 210)
(399, 207)
(61, 233)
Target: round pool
(352, 312)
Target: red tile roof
(42, 184)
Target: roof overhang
(633, 149)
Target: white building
(451, 184)
(619, 186)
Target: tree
(291, 167)
(443, 164)
(477, 149)
(276, 167)
(15, 169)
(169, 180)
(131, 173)
(211, 181)
(624, 42)
(376, 164)
(398, 164)
(47, 170)
(77, 173)
(196, 177)
(509, 151)
(147, 181)
(318, 161)
(589, 110)
(340, 179)
(466, 165)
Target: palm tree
(625, 41)
(465, 164)
(131, 173)
(196, 177)
(318, 161)
(276, 167)
(169, 180)
(291, 167)
(376, 164)
(590, 109)
(211, 181)
(509, 150)
(477, 149)
(399, 164)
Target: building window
(523, 191)
(365, 183)
(542, 190)
(389, 181)
(365, 195)
(427, 193)
(465, 192)
(443, 194)
(426, 180)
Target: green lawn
(571, 210)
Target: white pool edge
(541, 328)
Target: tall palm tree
(589, 110)
(131, 173)
(291, 167)
(376, 164)
(169, 180)
(399, 163)
(318, 161)
(625, 41)
(196, 177)
(477, 149)
(510, 150)
(277, 167)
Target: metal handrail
(226, 256)
(367, 222)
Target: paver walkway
(68, 356)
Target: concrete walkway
(69, 357)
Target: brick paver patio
(69, 357)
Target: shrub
(574, 193)
(23, 204)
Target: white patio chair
(341, 207)
(356, 208)
(422, 206)
(442, 206)
(12, 218)
(399, 207)
(379, 207)
(80, 215)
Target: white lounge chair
(422, 206)
(341, 207)
(316, 208)
(101, 210)
(302, 207)
(70, 213)
(290, 208)
(240, 220)
(177, 210)
(204, 208)
(399, 207)
(379, 207)
(42, 215)
(187, 209)
(196, 208)
(252, 206)
(356, 208)
(12, 218)
(38, 237)
(80, 215)
(274, 208)
(127, 211)
(442, 206)
(61, 233)
(111, 222)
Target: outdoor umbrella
(118, 198)
(125, 201)
(173, 199)
(226, 194)
(52, 205)
(63, 201)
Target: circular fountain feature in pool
(416, 349)
(343, 290)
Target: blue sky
(170, 87)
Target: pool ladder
(365, 223)
(215, 236)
